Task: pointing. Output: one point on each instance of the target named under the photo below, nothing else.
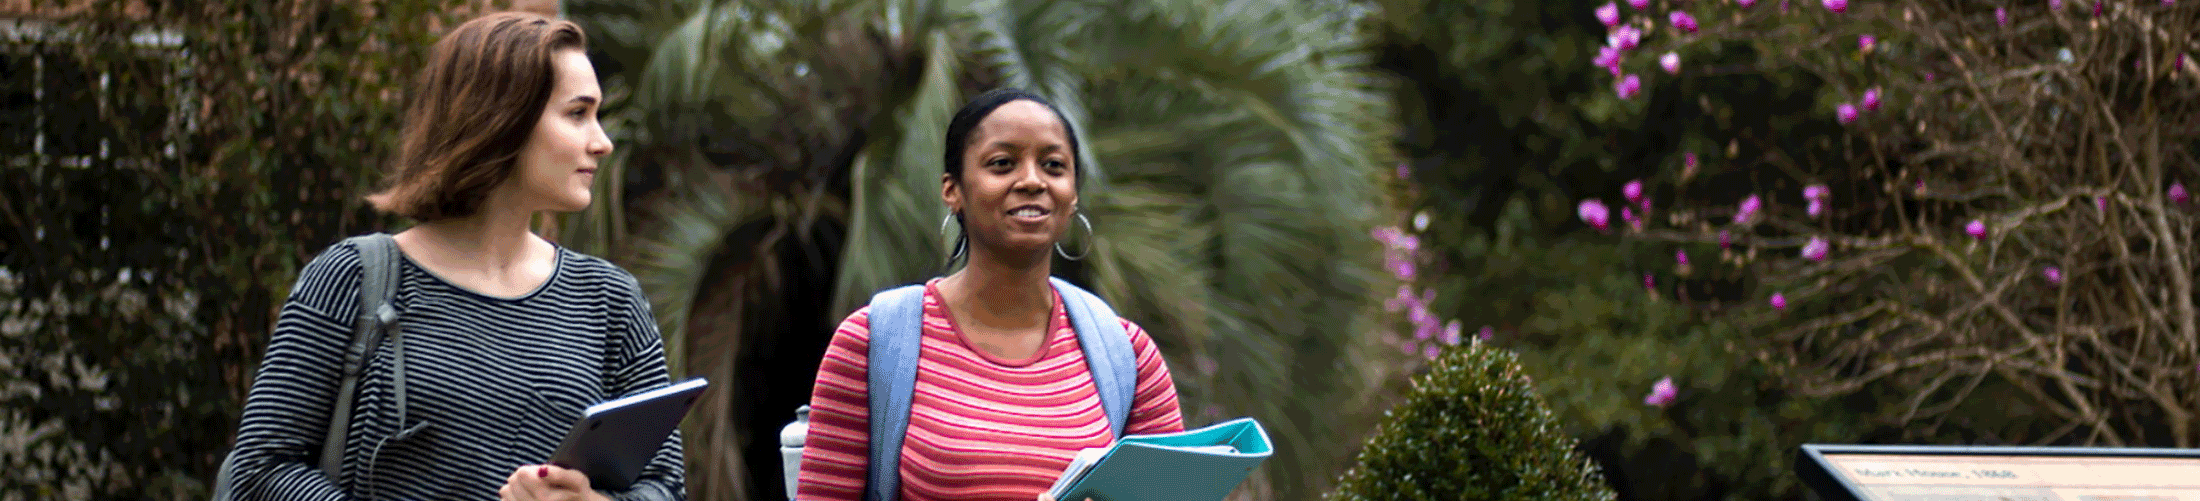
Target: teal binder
(1193, 465)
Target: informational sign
(1929, 473)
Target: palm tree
(781, 163)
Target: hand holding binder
(1193, 465)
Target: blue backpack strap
(1107, 350)
(897, 326)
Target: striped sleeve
(642, 369)
(286, 413)
(835, 454)
(1156, 409)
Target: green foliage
(231, 140)
(1595, 339)
(1911, 331)
(1471, 428)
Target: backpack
(897, 320)
(378, 256)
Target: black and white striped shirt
(497, 380)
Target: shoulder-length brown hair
(470, 111)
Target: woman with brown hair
(501, 338)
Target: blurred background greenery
(168, 166)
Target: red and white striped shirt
(980, 427)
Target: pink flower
(1608, 14)
(1815, 207)
(2001, 16)
(1816, 249)
(1639, 4)
(1929, 77)
(1649, 282)
(2101, 203)
(1779, 301)
(2178, 64)
(1400, 265)
(2054, 4)
(1451, 332)
(1609, 58)
(1626, 38)
(1680, 257)
(1671, 62)
(1865, 42)
(1431, 351)
(1400, 302)
(1633, 190)
(2096, 8)
(1837, 6)
(1486, 333)
(2178, 195)
(1682, 20)
(1404, 172)
(1816, 192)
(1628, 86)
(1845, 113)
(1627, 214)
(1662, 393)
(1746, 3)
(1748, 210)
(1689, 160)
(2053, 274)
(1871, 99)
(1725, 239)
(1595, 213)
(1977, 229)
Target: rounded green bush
(1471, 427)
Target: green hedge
(1471, 427)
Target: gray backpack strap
(897, 334)
(378, 268)
(1107, 351)
(378, 285)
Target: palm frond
(893, 237)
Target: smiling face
(557, 166)
(1018, 185)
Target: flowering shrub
(1402, 256)
(2002, 249)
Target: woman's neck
(1002, 295)
(492, 241)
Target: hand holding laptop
(546, 483)
(614, 441)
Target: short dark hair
(470, 111)
(966, 120)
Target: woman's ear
(950, 192)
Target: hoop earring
(954, 247)
(1089, 235)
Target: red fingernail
(543, 472)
